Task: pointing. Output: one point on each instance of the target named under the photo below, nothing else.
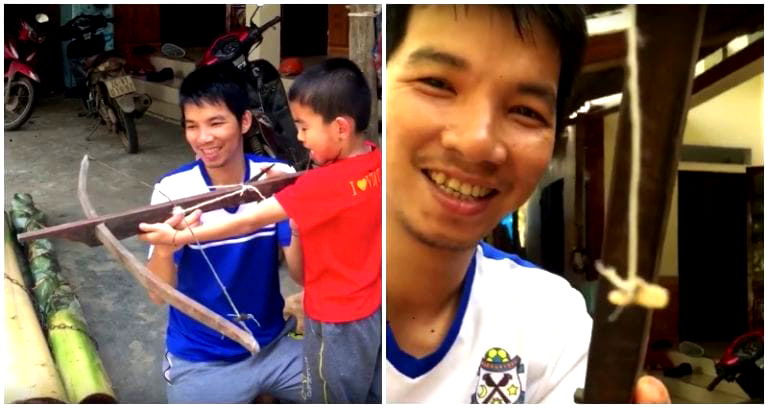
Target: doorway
(712, 256)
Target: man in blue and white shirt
(201, 365)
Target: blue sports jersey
(247, 266)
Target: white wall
(270, 47)
(732, 119)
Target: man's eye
(436, 83)
(528, 113)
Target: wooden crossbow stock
(109, 229)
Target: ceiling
(603, 73)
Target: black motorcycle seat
(95, 60)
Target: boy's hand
(271, 173)
(649, 390)
(294, 306)
(164, 234)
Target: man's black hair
(565, 23)
(212, 84)
(334, 88)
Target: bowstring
(630, 284)
(237, 316)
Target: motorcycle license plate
(120, 86)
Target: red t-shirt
(337, 209)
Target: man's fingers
(650, 390)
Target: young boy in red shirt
(336, 212)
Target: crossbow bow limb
(98, 230)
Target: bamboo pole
(75, 352)
(30, 372)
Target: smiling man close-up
(475, 98)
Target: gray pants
(342, 361)
(275, 370)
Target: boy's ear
(245, 123)
(346, 126)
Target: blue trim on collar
(186, 167)
(415, 367)
(209, 183)
(494, 253)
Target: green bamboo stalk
(31, 375)
(73, 348)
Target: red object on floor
(291, 66)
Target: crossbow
(109, 229)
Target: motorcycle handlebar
(84, 23)
(256, 34)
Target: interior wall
(732, 119)
(270, 47)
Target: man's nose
(475, 133)
(205, 135)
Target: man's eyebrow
(539, 90)
(215, 117)
(430, 54)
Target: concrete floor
(43, 159)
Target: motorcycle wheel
(18, 108)
(126, 129)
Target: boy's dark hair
(334, 88)
(566, 24)
(217, 83)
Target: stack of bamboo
(31, 375)
(78, 362)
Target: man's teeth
(458, 188)
(211, 150)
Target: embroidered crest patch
(500, 379)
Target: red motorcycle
(20, 54)
(743, 362)
(274, 133)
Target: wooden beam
(604, 51)
(666, 60)
(361, 42)
(594, 190)
(747, 55)
(602, 71)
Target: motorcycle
(19, 72)
(275, 133)
(106, 89)
(743, 362)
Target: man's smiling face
(470, 121)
